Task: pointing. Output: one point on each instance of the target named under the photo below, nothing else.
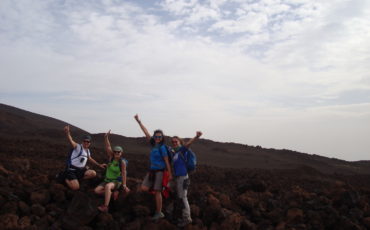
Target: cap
(118, 148)
(87, 138)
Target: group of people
(165, 163)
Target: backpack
(190, 161)
(69, 159)
(61, 176)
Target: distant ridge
(17, 124)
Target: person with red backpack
(115, 174)
(159, 166)
(180, 161)
(76, 162)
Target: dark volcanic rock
(41, 197)
(80, 212)
(38, 210)
(9, 221)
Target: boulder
(9, 221)
(10, 207)
(213, 201)
(81, 211)
(141, 211)
(294, 214)
(24, 222)
(40, 197)
(38, 210)
(232, 222)
(366, 222)
(24, 208)
(195, 210)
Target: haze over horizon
(276, 73)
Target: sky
(283, 74)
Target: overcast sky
(285, 74)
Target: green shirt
(113, 171)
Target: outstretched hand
(66, 128)
(137, 117)
(199, 133)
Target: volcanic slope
(300, 192)
(30, 127)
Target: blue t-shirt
(156, 157)
(179, 165)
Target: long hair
(156, 132)
(178, 138)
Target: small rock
(41, 197)
(294, 214)
(212, 200)
(38, 210)
(366, 221)
(24, 208)
(141, 211)
(195, 210)
(24, 222)
(9, 221)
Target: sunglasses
(117, 151)
(157, 137)
(86, 141)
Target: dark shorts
(75, 173)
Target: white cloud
(267, 73)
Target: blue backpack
(190, 161)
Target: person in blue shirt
(181, 179)
(159, 163)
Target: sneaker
(183, 223)
(103, 208)
(157, 216)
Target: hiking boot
(103, 208)
(183, 223)
(157, 216)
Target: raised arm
(198, 134)
(147, 135)
(108, 147)
(69, 137)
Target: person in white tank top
(79, 157)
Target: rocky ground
(303, 192)
(220, 199)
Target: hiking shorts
(155, 182)
(75, 173)
(117, 184)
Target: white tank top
(80, 161)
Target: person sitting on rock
(76, 166)
(115, 175)
(181, 179)
(159, 165)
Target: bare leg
(89, 174)
(99, 190)
(73, 184)
(158, 201)
(108, 193)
